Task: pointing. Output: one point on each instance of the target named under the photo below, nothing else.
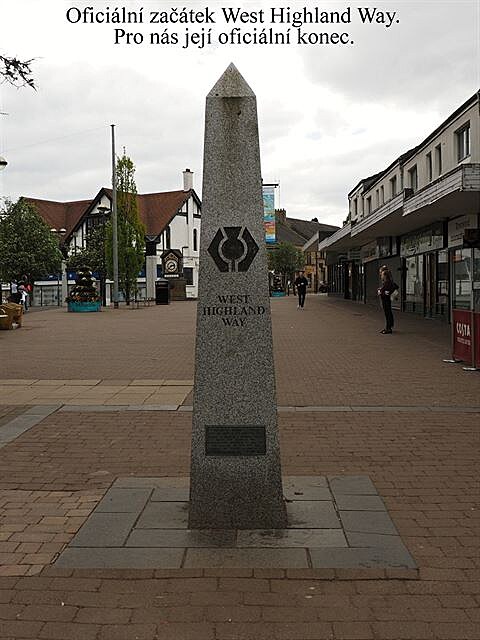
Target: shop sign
(423, 240)
(462, 335)
(369, 252)
(457, 226)
(354, 254)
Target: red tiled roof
(60, 215)
(156, 210)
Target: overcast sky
(328, 114)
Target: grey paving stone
(123, 558)
(118, 500)
(291, 538)
(152, 407)
(360, 503)
(181, 538)
(164, 515)
(104, 530)
(367, 522)
(306, 488)
(95, 408)
(374, 540)
(314, 409)
(170, 494)
(357, 558)
(185, 407)
(351, 485)
(285, 409)
(152, 483)
(246, 558)
(305, 514)
(43, 409)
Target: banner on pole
(269, 214)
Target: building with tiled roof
(171, 219)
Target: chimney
(187, 180)
(281, 215)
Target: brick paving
(424, 465)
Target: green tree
(27, 246)
(131, 231)
(285, 259)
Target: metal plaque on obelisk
(235, 479)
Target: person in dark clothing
(385, 292)
(301, 283)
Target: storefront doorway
(436, 284)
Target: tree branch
(17, 72)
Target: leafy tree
(285, 259)
(16, 72)
(131, 231)
(27, 246)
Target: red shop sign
(476, 323)
(462, 335)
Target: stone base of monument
(333, 522)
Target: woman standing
(385, 292)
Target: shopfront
(425, 268)
(465, 290)
(376, 254)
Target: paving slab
(304, 514)
(361, 557)
(351, 485)
(152, 483)
(359, 503)
(164, 515)
(278, 538)
(181, 538)
(246, 558)
(124, 501)
(306, 488)
(367, 522)
(121, 558)
(105, 530)
(171, 494)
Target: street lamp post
(104, 211)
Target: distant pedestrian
(385, 292)
(301, 283)
(22, 288)
(15, 295)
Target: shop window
(462, 273)
(429, 167)
(463, 142)
(438, 159)
(414, 298)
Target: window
(393, 186)
(413, 178)
(369, 205)
(377, 199)
(355, 207)
(382, 195)
(167, 238)
(438, 159)
(195, 240)
(463, 142)
(429, 167)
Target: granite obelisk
(235, 479)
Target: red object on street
(462, 329)
(476, 323)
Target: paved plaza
(94, 404)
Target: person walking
(301, 283)
(385, 292)
(22, 288)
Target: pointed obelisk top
(231, 84)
